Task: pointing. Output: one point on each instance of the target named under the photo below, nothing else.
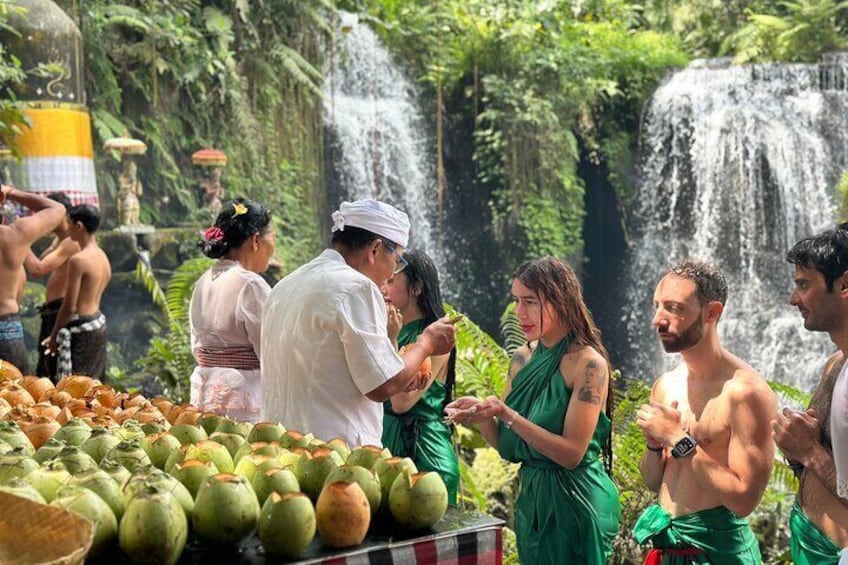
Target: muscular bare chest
(704, 415)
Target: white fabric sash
(839, 430)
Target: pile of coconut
(144, 471)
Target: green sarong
(561, 516)
(808, 544)
(722, 537)
(420, 433)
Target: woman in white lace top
(226, 312)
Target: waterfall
(737, 163)
(379, 146)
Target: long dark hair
(421, 274)
(555, 282)
(237, 221)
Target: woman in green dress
(413, 424)
(552, 421)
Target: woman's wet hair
(421, 274)
(556, 283)
(87, 215)
(238, 220)
(826, 253)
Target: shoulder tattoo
(519, 359)
(593, 384)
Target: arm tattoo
(593, 385)
(518, 359)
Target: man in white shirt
(327, 361)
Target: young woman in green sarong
(413, 424)
(552, 421)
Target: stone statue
(129, 207)
(213, 192)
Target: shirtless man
(79, 334)
(15, 240)
(53, 262)
(819, 518)
(709, 448)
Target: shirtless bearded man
(709, 448)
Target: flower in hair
(213, 234)
(239, 209)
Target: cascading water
(738, 163)
(379, 145)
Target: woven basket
(36, 534)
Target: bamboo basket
(36, 534)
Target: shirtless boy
(709, 447)
(79, 334)
(15, 240)
(819, 518)
(53, 262)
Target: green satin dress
(562, 516)
(420, 433)
(808, 543)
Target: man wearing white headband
(815, 441)
(327, 361)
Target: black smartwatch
(684, 447)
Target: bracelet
(509, 423)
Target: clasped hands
(797, 434)
(661, 425)
(471, 410)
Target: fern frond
(181, 287)
(144, 273)
(511, 332)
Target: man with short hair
(15, 240)
(811, 439)
(709, 449)
(78, 337)
(53, 262)
(327, 361)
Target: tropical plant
(796, 31)
(169, 360)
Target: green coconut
(129, 454)
(103, 485)
(129, 431)
(365, 478)
(74, 432)
(367, 456)
(49, 450)
(99, 443)
(93, 508)
(49, 479)
(232, 442)
(151, 428)
(16, 464)
(187, 433)
(20, 487)
(176, 456)
(266, 431)
(312, 470)
(274, 480)
(226, 510)
(388, 470)
(154, 528)
(207, 450)
(418, 500)
(192, 473)
(209, 421)
(151, 476)
(159, 447)
(12, 434)
(248, 465)
(286, 524)
(118, 472)
(340, 446)
(294, 438)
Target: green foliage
(481, 364)
(511, 332)
(169, 360)
(842, 191)
(794, 31)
